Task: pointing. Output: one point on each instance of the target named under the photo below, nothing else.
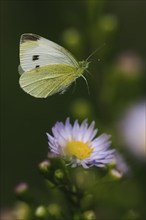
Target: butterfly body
(46, 68)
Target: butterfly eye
(35, 57)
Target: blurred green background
(81, 27)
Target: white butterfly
(45, 67)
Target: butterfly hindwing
(48, 80)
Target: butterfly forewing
(36, 51)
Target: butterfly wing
(47, 80)
(36, 51)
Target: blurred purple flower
(132, 129)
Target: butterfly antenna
(95, 51)
(86, 84)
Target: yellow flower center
(78, 149)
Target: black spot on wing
(35, 57)
(29, 37)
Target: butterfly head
(84, 64)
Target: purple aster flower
(78, 144)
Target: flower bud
(22, 211)
(41, 212)
(21, 189)
(23, 193)
(44, 166)
(7, 214)
(130, 64)
(89, 215)
(81, 109)
(54, 210)
(87, 201)
(59, 174)
(72, 40)
(116, 174)
(108, 23)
